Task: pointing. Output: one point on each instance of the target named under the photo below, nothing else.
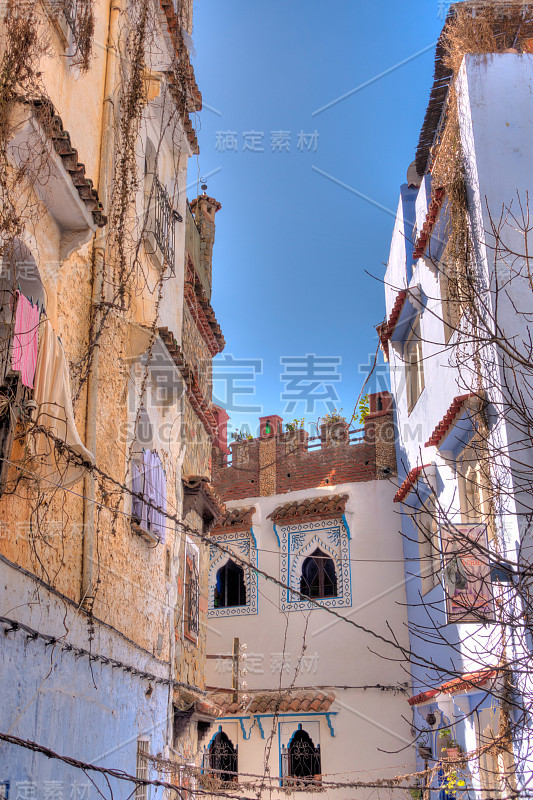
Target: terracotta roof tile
(325, 506)
(182, 80)
(53, 126)
(235, 519)
(386, 329)
(296, 701)
(202, 407)
(202, 311)
(208, 708)
(409, 483)
(448, 419)
(200, 482)
(469, 680)
(429, 224)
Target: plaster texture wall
(495, 115)
(335, 654)
(91, 710)
(78, 707)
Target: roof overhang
(421, 479)
(465, 683)
(457, 427)
(61, 184)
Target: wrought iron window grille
(162, 219)
(191, 598)
(220, 762)
(301, 762)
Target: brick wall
(282, 463)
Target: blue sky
(293, 247)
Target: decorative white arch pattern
(298, 541)
(243, 545)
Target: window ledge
(145, 534)
(412, 408)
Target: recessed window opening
(230, 588)
(143, 749)
(304, 757)
(319, 578)
(414, 365)
(223, 757)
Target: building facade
(456, 298)
(106, 416)
(310, 701)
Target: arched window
(319, 578)
(304, 757)
(230, 589)
(223, 757)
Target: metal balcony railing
(163, 218)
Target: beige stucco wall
(369, 725)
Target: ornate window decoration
(220, 564)
(303, 759)
(314, 553)
(300, 757)
(221, 758)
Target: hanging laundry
(24, 358)
(55, 414)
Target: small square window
(143, 749)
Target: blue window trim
(244, 544)
(258, 717)
(298, 540)
(459, 435)
(413, 307)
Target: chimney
(379, 403)
(204, 209)
(221, 438)
(270, 426)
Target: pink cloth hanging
(24, 358)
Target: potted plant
(295, 425)
(453, 749)
(295, 436)
(334, 428)
(241, 436)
